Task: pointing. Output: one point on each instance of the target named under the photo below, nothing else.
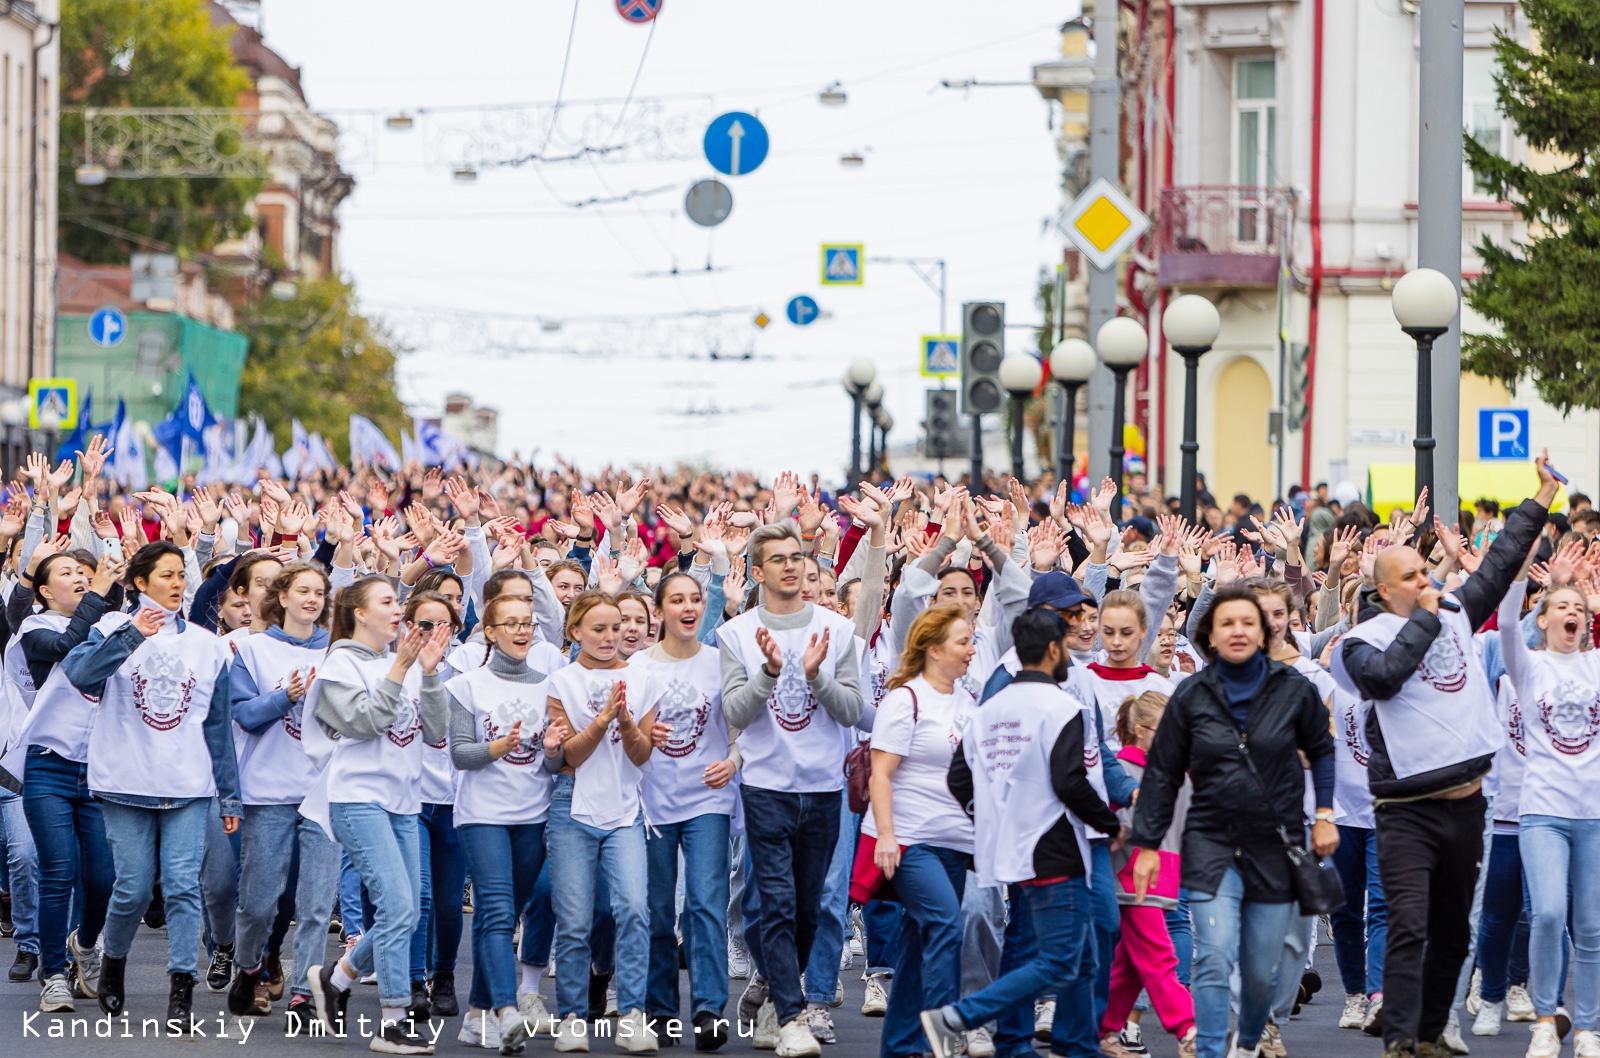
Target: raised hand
(297, 685)
(1058, 505)
(1343, 540)
(421, 521)
(816, 651)
(149, 621)
(15, 517)
(1172, 534)
(94, 459)
(675, 519)
(786, 493)
(811, 513)
(1565, 563)
(769, 649)
(463, 498)
(1046, 544)
(1104, 495)
(1226, 564)
(1419, 513)
(432, 484)
(434, 648)
(633, 560)
(51, 545)
(901, 490)
(106, 573)
(865, 512)
(62, 474)
(410, 648)
(292, 518)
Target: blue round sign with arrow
(802, 310)
(736, 143)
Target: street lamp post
(1191, 324)
(873, 398)
(1071, 365)
(1121, 344)
(1425, 303)
(857, 378)
(884, 422)
(1019, 376)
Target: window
(1255, 138)
(1483, 118)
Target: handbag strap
(913, 692)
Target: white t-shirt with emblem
(386, 770)
(605, 787)
(925, 812)
(273, 766)
(1352, 797)
(516, 788)
(690, 700)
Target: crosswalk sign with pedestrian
(940, 355)
(841, 265)
(52, 397)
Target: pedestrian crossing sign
(841, 264)
(57, 397)
(941, 356)
(1103, 224)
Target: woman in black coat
(1235, 870)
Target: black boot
(7, 927)
(598, 983)
(180, 998)
(113, 972)
(418, 1010)
(26, 965)
(442, 996)
(155, 916)
(242, 994)
(708, 1034)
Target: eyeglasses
(784, 560)
(428, 626)
(1167, 637)
(515, 626)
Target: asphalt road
(1312, 1035)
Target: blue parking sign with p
(1503, 433)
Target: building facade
(29, 128)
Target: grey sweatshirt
(349, 711)
(467, 753)
(744, 694)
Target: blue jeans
(882, 920)
(140, 839)
(383, 847)
(22, 870)
(1049, 948)
(1502, 931)
(704, 842)
(219, 881)
(1182, 934)
(538, 921)
(444, 877)
(264, 833)
(504, 861)
(316, 878)
(1361, 926)
(736, 879)
(1553, 851)
(927, 970)
(578, 855)
(1107, 925)
(833, 913)
(791, 840)
(69, 833)
(353, 909)
(1230, 930)
(983, 937)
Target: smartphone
(1556, 474)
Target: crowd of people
(1043, 765)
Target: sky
(567, 318)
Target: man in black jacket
(1433, 733)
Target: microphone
(1447, 603)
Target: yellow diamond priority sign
(1103, 224)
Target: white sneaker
(88, 962)
(1545, 1043)
(1355, 1011)
(1373, 1025)
(1487, 1023)
(1586, 1044)
(1044, 1018)
(515, 1028)
(55, 997)
(540, 1021)
(611, 1001)
(845, 958)
(738, 961)
(633, 1033)
(1271, 1043)
(572, 1035)
(876, 1003)
(552, 973)
(1451, 1036)
(1519, 1004)
(980, 1043)
(766, 1037)
(820, 1022)
(795, 1039)
(838, 994)
(479, 1029)
(1475, 993)
(858, 932)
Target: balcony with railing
(1222, 236)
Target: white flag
(127, 461)
(368, 442)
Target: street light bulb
(873, 394)
(885, 420)
(13, 412)
(48, 419)
(1072, 361)
(1019, 374)
(90, 175)
(1425, 299)
(1121, 342)
(861, 373)
(1191, 322)
(833, 96)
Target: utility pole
(1105, 102)
(1439, 225)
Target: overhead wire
(561, 85)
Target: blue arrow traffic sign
(801, 310)
(736, 143)
(639, 10)
(107, 326)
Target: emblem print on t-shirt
(1514, 727)
(532, 742)
(1355, 739)
(163, 690)
(291, 719)
(406, 724)
(598, 693)
(791, 700)
(1445, 664)
(1571, 716)
(688, 711)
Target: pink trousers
(1145, 960)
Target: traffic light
(983, 346)
(941, 429)
(1299, 379)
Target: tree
(146, 53)
(314, 358)
(1544, 295)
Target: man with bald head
(1433, 732)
